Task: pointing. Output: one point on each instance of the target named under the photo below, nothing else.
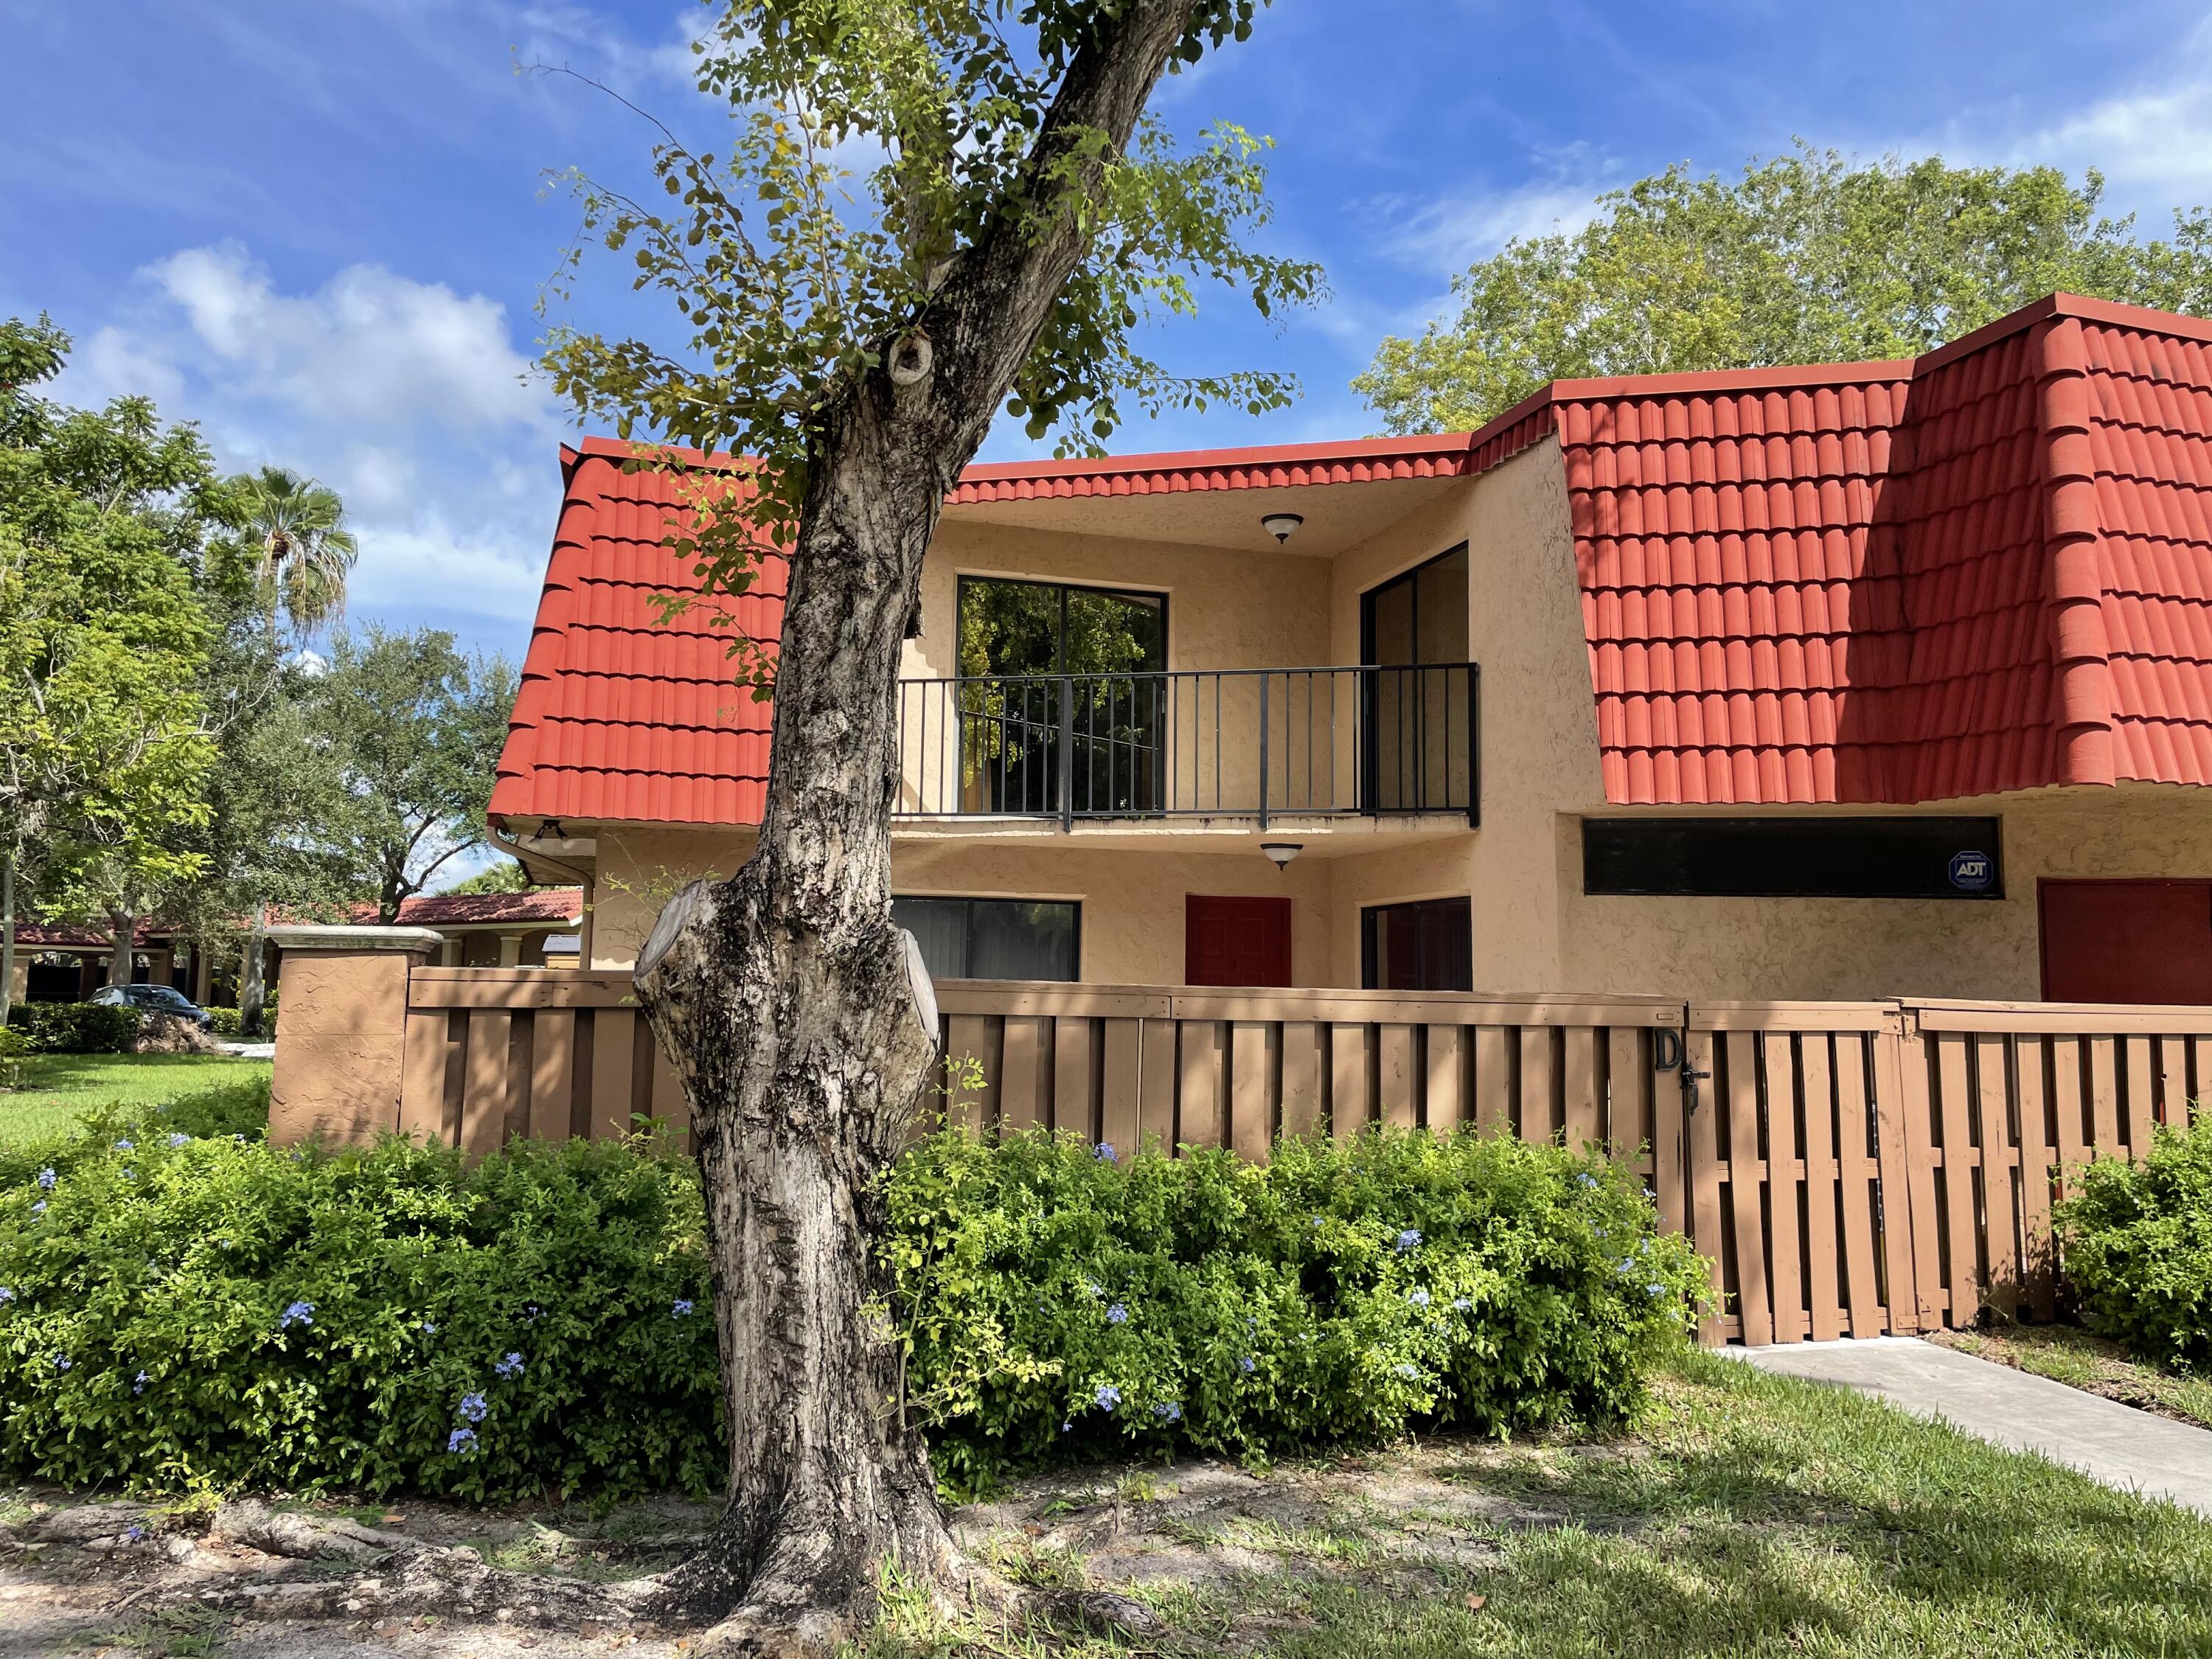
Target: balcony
(1256, 742)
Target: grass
(1750, 1515)
(54, 1090)
(2065, 1354)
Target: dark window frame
(973, 899)
(960, 607)
(1369, 952)
(1371, 701)
(1608, 850)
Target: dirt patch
(133, 1577)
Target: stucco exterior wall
(639, 870)
(1731, 948)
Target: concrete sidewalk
(2108, 1442)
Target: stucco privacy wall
(1850, 949)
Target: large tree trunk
(252, 990)
(788, 999)
(798, 1016)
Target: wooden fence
(1850, 1169)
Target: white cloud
(414, 401)
(2151, 139)
(369, 346)
(1445, 234)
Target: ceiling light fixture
(1280, 525)
(1282, 851)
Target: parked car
(154, 1000)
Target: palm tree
(305, 552)
(306, 549)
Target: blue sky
(319, 229)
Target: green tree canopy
(302, 551)
(1806, 259)
(107, 518)
(413, 728)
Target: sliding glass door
(1413, 638)
(1042, 659)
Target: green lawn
(2076, 1358)
(54, 1090)
(1750, 1515)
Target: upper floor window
(1009, 626)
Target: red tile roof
(1985, 569)
(557, 905)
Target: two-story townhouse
(1823, 681)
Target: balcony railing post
(1474, 745)
(1067, 752)
(1263, 751)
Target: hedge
(182, 1305)
(2137, 1248)
(75, 1028)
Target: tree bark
(798, 1016)
(6, 934)
(124, 930)
(252, 991)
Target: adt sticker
(1972, 872)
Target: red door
(2127, 941)
(1235, 941)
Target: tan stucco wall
(638, 870)
(1858, 948)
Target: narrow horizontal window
(1794, 858)
(994, 939)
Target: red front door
(1235, 941)
(2127, 941)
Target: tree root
(790, 1609)
(400, 1575)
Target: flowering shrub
(2138, 1243)
(1062, 1305)
(190, 1305)
(182, 1305)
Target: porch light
(1280, 525)
(1282, 851)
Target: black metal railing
(1261, 741)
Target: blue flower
(1587, 1180)
(1104, 1152)
(1108, 1397)
(46, 1178)
(1117, 1314)
(125, 1146)
(133, 1534)
(682, 1308)
(461, 1440)
(138, 1383)
(1066, 1424)
(1316, 1221)
(1657, 1289)
(61, 1362)
(1409, 1240)
(1248, 1364)
(177, 1140)
(300, 1313)
(7, 1293)
(1093, 1289)
(1462, 1304)
(473, 1409)
(1419, 1298)
(1409, 1372)
(130, 1175)
(531, 1311)
(1170, 1411)
(427, 1328)
(510, 1366)
(39, 1208)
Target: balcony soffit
(1337, 516)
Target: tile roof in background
(555, 904)
(1989, 569)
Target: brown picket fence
(1849, 1168)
